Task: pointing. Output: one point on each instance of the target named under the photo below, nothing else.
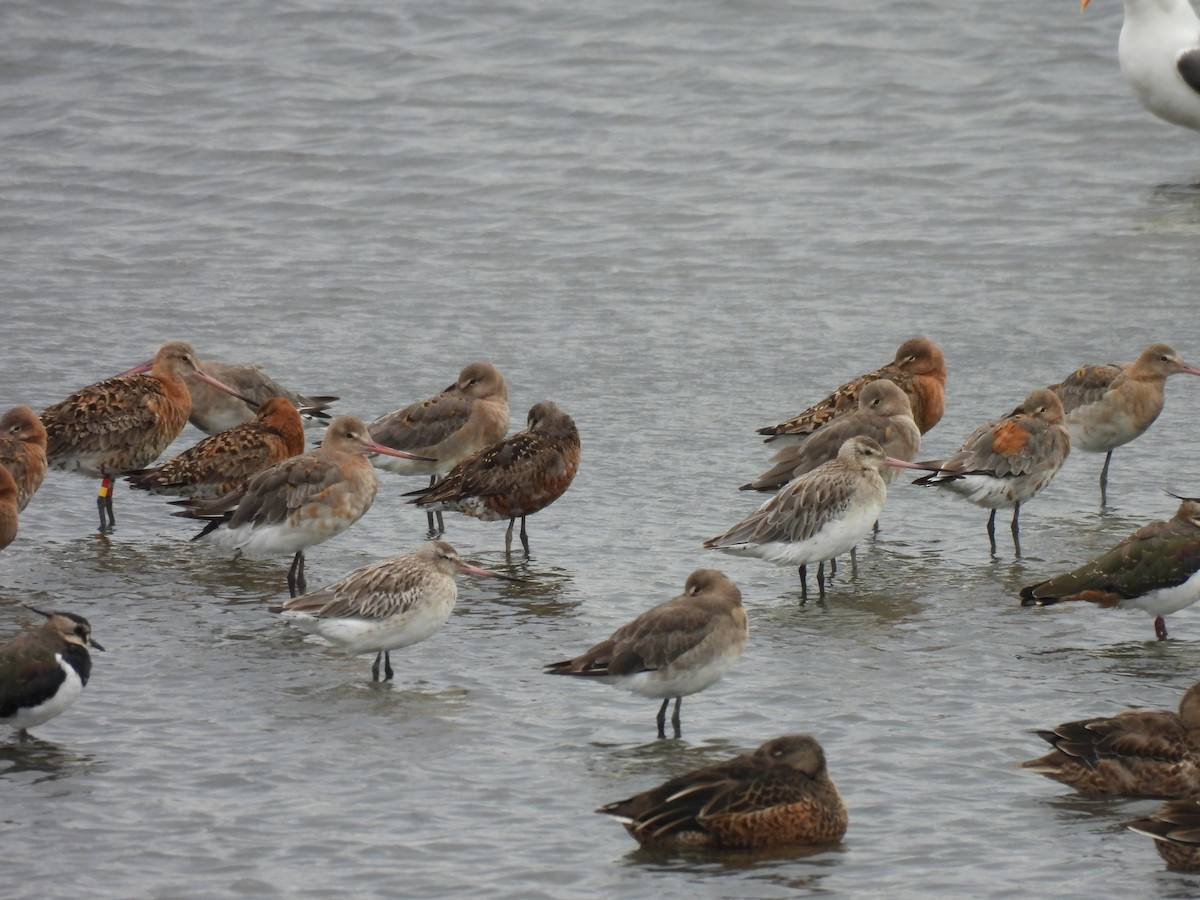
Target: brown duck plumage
(779, 795)
(1140, 753)
(1175, 827)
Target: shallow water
(680, 223)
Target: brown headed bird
(513, 478)
(1108, 405)
(462, 420)
(224, 462)
(117, 426)
(23, 451)
(780, 795)
(919, 369)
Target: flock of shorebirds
(257, 491)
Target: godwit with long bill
(1109, 405)
(224, 462)
(820, 515)
(386, 605)
(297, 503)
(116, 426)
(1008, 461)
(467, 417)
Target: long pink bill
(468, 569)
(143, 368)
(1189, 370)
(902, 464)
(373, 447)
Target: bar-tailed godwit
(298, 503)
(1109, 405)
(780, 795)
(919, 369)
(820, 515)
(678, 648)
(1156, 569)
(462, 420)
(513, 478)
(214, 411)
(1008, 461)
(387, 605)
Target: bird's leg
(832, 568)
(375, 666)
(1104, 480)
(662, 718)
(1016, 528)
(992, 531)
(854, 558)
(296, 583)
(429, 516)
(524, 538)
(820, 583)
(1160, 628)
(508, 537)
(104, 505)
(803, 583)
(387, 665)
(675, 717)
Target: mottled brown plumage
(919, 369)
(678, 648)
(224, 462)
(1140, 753)
(123, 424)
(513, 478)
(778, 796)
(9, 505)
(1108, 405)
(1175, 827)
(23, 451)
(387, 605)
(884, 414)
(214, 411)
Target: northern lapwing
(1156, 569)
(43, 671)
